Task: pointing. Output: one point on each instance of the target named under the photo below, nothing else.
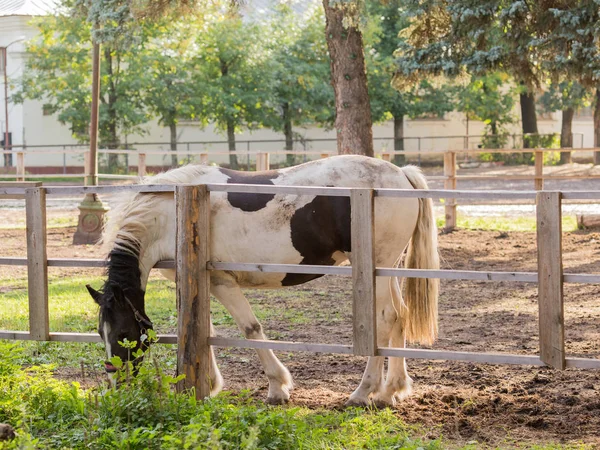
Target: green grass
(148, 414)
(505, 223)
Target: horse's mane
(132, 213)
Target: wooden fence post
(193, 288)
(262, 161)
(363, 273)
(450, 183)
(550, 279)
(20, 166)
(141, 164)
(324, 155)
(539, 170)
(37, 263)
(86, 167)
(203, 158)
(387, 156)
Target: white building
(30, 127)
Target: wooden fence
(193, 266)
(450, 177)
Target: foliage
(564, 95)
(302, 92)
(422, 99)
(489, 99)
(146, 413)
(58, 72)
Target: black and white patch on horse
(287, 229)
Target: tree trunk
(566, 135)
(528, 117)
(173, 129)
(233, 161)
(399, 160)
(597, 126)
(349, 79)
(288, 132)
(111, 128)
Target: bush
(147, 413)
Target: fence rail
(192, 275)
(450, 176)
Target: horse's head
(121, 318)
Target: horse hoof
(277, 401)
(357, 402)
(381, 404)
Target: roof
(27, 7)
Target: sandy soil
(493, 405)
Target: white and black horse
(280, 229)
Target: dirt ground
(492, 405)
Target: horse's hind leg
(398, 383)
(372, 380)
(231, 296)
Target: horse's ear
(94, 293)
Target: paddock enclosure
(464, 376)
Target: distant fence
(193, 265)
(263, 162)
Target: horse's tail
(420, 315)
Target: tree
(230, 62)
(570, 45)
(566, 96)
(489, 99)
(348, 76)
(165, 64)
(463, 36)
(57, 73)
(302, 92)
(420, 100)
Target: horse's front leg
(230, 295)
(216, 379)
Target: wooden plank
(588, 221)
(581, 278)
(295, 190)
(364, 316)
(16, 189)
(193, 288)
(262, 161)
(37, 269)
(77, 262)
(141, 164)
(20, 184)
(489, 358)
(271, 189)
(450, 183)
(20, 166)
(281, 345)
(580, 195)
(550, 271)
(528, 277)
(280, 268)
(76, 190)
(539, 170)
(435, 193)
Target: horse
(279, 229)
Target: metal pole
(7, 157)
(92, 179)
(91, 209)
